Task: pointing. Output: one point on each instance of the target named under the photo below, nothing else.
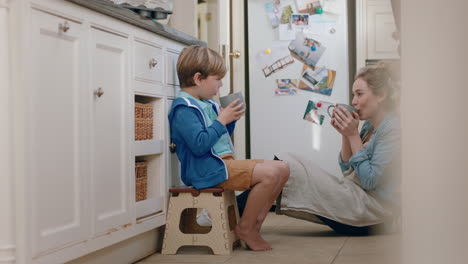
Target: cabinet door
(55, 132)
(380, 28)
(173, 168)
(111, 164)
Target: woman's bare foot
(253, 240)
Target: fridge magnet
(273, 11)
(318, 80)
(277, 58)
(312, 115)
(322, 108)
(307, 50)
(286, 87)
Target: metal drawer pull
(99, 92)
(64, 27)
(153, 63)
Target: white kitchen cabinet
(75, 76)
(111, 181)
(56, 139)
(375, 28)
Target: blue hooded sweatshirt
(194, 140)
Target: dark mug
(350, 108)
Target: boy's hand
(232, 112)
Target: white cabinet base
(128, 251)
(72, 252)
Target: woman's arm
(370, 163)
(346, 151)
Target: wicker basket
(143, 121)
(141, 180)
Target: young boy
(201, 132)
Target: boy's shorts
(240, 173)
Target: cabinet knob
(153, 62)
(64, 27)
(172, 147)
(99, 92)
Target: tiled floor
(297, 241)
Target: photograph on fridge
(300, 20)
(308, 6)
(312, 115)
(286, 31)
(271, 60)
(286, 86)
(307, 50)
(286, 14)
(318, 80)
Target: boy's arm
(230, 127)
(198, 138)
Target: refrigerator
(276, 122)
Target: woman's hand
(344, 122)
(231, 113)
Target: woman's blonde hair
(200, 59)
(383, 79)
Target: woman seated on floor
(366, 198)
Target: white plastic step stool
(183, 230)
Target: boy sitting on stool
(201, 132)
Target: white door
(55, 132)
(381, 26)
(221, 25)
(237, 73)
(111, 179)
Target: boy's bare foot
(253, 240)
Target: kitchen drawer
(148, 62)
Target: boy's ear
(197, 77)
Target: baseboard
(125, 252)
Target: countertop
(108, 8)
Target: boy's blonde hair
(200, 59)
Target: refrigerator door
(276, 121)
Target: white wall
(184, 17)
(435, 131)
(7, 227)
